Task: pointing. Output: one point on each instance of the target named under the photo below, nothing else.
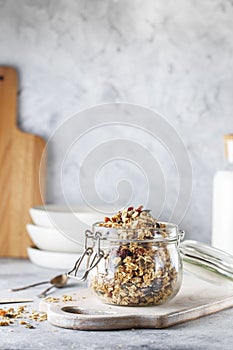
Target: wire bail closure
(181, 235)
(88, 252)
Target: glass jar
(139, 266)
(143, 266)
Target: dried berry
(107, 219)
(2, 312)
(157, 284)
(140, 251)
(123, 253)
(139, 208)
(114, 219)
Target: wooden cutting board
(20, 156)
(196, 298)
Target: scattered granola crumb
(10, 316)
(38, 316)
(22, 322)
(67, 297)
(21, 308)
(29, 325)
(52, 299)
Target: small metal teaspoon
(57, 282)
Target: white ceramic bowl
(52, 215)
(72, 223)
(52, 260)
(50, 239)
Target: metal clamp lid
(208, 263)
(88, 253)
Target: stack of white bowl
(58, 234)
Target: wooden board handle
(8, 99)
(20, 157)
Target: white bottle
(222, 230)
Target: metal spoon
(57, 281)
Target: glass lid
(209, 263)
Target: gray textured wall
(172, 56)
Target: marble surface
(212, 332)
(173, 57)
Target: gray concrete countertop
(211, 332)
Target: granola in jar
(141, 265)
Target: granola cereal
(137, 270)
(11, 316)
